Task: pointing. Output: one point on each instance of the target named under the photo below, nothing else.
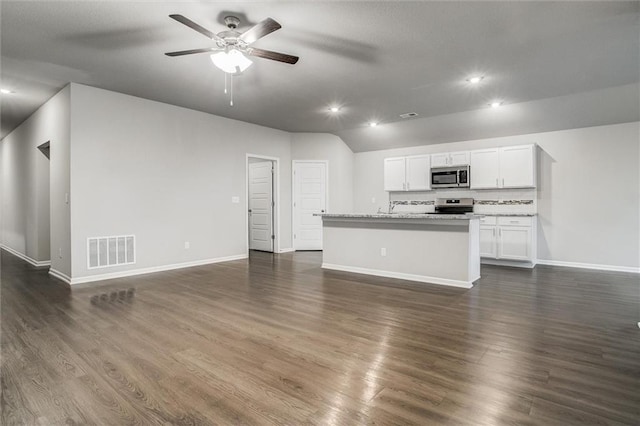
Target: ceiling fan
(232, 44)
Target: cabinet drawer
(514, 221)
(488, 220)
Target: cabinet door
(514, 242)
(517, 166)
(440, 160)
(459, 158)
(418, 173)
(394, 174)
(484, 168)
(488, 246)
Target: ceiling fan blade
(275, 56)
(202, 30)
(192, 51)
(259, 30)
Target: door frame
(276, 199)
(293, 193)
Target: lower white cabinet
(508, 238)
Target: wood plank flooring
(279, 341)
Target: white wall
(588, 190)
(33, 225)
(167, 175)
(323, 146)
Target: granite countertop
(430, 216)
(510, 214)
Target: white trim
(632, 269)
(400, 275)
(32, 262)
(276, 198)
(59, 275)
(513, 263)
(293, 193)
(286, 250)
(92, 278)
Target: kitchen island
(430, 248)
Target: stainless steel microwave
(450, 177)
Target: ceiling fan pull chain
(231, 78)
(225, 83)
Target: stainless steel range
(454, 205)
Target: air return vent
(111, 251)
(409, 115)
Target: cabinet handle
(494, 232)
(404, 186)
(497, 184)
(408, 186)
(503, 182)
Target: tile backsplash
(485, 201)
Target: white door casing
(309, 198)
(261, 206)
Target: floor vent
(111, 251)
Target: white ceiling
(375, 59)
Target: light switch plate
(235, 200)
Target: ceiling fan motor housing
(232, 22)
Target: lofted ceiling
(375, 59)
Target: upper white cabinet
(517, 166)
(394, 174)
(507, 167)
(484, 168)
(450, 159)
(407, 173)
(418, 173)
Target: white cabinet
(418, 173)
(407, 173)
(484, 168)
(449, 159)
(517, 166)
(394, 174)
(507, 167)
(508, 238)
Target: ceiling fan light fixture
(231, 61)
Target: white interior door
(309, 197)
(261, 206)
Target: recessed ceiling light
(475, 79)
(334, 109)
(373, 123)
(6, 91)
(495, 104)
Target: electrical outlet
(235, 200)
(60, 252)
(373, 200)
(187, 245)
(383, 252)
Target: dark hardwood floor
(277, 340)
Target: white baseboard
(286, 250)
(399, 275)
(615, 268)
(122, 274)
(36, 263)
(512, 263)
(59, 275)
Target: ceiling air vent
(409, 115)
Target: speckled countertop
(427, 216)
(510, 214)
